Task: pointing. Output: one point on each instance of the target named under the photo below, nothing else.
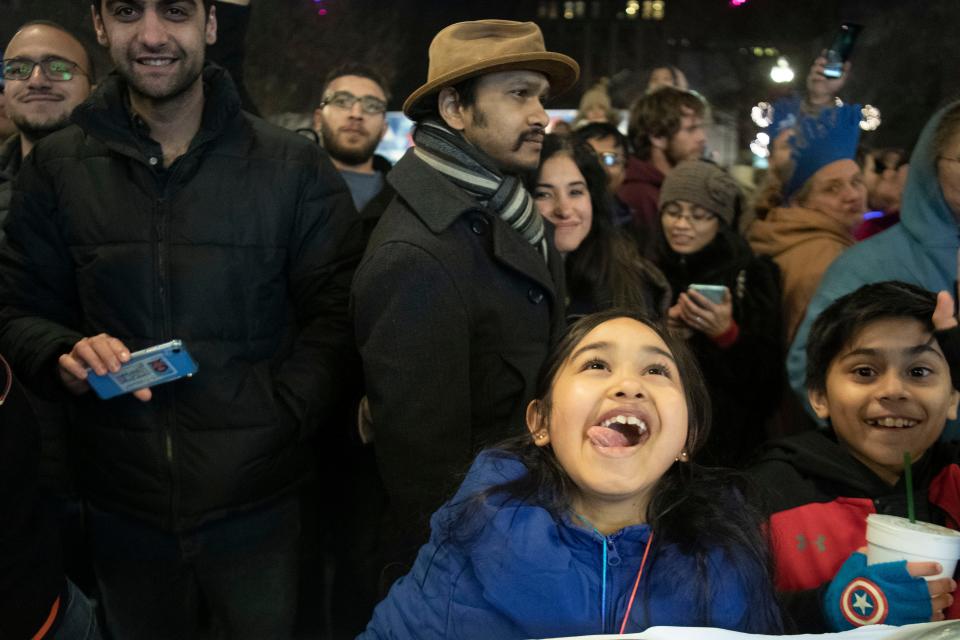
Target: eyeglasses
(697, 216)
(56, 69)
(879, 166)
(610, 159)
(345, 100)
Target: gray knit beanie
(702, 183)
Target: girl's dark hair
(605, 266)
(698, 509)
(839, 324)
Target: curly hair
(659, 114)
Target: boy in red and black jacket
(878, 374)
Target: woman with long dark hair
(599, 520)
(603, 266)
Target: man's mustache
(535, 134)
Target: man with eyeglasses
(351, 121)
(166, 212)
(611, 148)
(46, 73)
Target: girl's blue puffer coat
(521, 573)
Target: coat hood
(924, 213)
(818, 455)
(786, 227)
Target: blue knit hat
(786, 111)
(832, 136)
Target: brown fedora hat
(467, 49)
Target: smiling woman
(599, 520)
(603, 266)
(737, 335)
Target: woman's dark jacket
(243, 249)
(744, 379)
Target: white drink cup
(891, 539)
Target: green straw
(908, 476)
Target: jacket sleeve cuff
(728, 337)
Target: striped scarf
(470, 169)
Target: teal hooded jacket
(921, 250)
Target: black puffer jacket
(9, 166)
(243, 248)
(745, 379)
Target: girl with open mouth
(598, 520)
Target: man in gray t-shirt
(351, 121)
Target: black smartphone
(841, 49)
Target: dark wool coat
(243, 249)
(454, 314)
(745, 379)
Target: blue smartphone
(146, 368)
(712, 292)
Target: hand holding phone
(840, 50)
(100, 353)
(144, 369)
(701, 313)
(96, 357)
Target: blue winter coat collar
(551, 550)
(525, 573)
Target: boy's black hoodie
(820, 497)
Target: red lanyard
(636, 583)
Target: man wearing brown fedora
(460, 291)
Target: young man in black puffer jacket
(168, 213)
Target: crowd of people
(530, 381)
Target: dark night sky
(906, 61)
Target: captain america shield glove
(885, 593)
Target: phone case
(146, 368)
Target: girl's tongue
(617, 434)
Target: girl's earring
(540, 435)
(683, 457)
